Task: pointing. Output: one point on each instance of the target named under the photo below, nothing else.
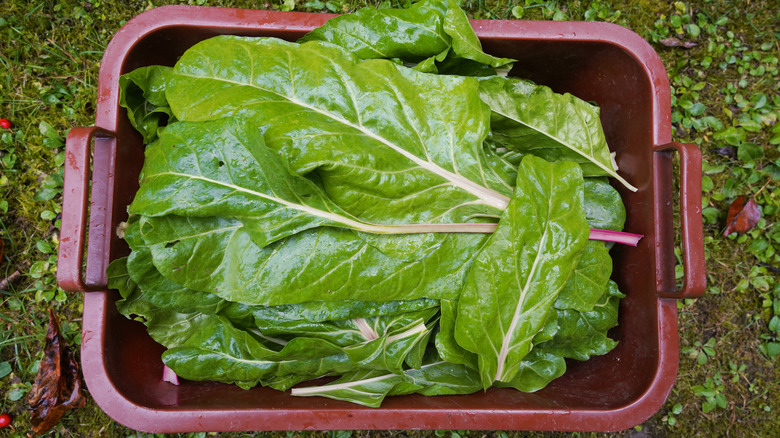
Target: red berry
(5, 124)
(5, 419)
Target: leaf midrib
(589, 158)
(486, 195)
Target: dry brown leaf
(742, 217)
(58, 386)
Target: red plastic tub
(598, 62)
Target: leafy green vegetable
(531, 118)
(323, 264)
(411, 34)
(360, 206)
(427, 32)
(588, 280)
(536, 370)
(370, 127)
(367, 387)
(582, 334)
(142, 92)
(577, 335)
(465, 43)
(603, 207)
(522, 268)
(436, 377)
(448, 347)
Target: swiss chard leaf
(389, 351)
(442, 378)
(323, 264)
(589, 279)
(537, 369)
(425, 32)
(525, 263)
(363, 386)
(445, 341)
(266, 317)
(465, 43)
(202, 342)
(532, 119)
(583, 334)
(412, 34)
(142, 93)
(370, 387)
(223, 168)
(369, 120)
(219, 351)
(604, 208)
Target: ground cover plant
(722, 60)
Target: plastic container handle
(690, 220)
(75, 201)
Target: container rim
(109, 397)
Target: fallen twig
(6, 282)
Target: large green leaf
(204, 343)
(223, 168)
(589, 279)
(578, 335)
(323, 264)
(410, 142)
(446, 345)
(536, 370)
(425, 32)
(216, 350)
(465, 43)
(603, 206)
(324, 311)
(441, 378)
(388, 351)
(142, 93)
(363, 386)
(370, 387)
(583, 334)
(144, 289)
(517, 277)
(156, 288)
(531, 118)
(410, 34)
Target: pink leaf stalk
(595, 233)
(615, 236)
(168, 375)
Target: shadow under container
(598, 62)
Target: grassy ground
(726, 98)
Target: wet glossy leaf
(366, 387)
(58, 385)
(742, 217)
(529, 118)
(330, 264)
(528, 260)
(411, 141)
(427, 31)
(142, 93)
(588, 281)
